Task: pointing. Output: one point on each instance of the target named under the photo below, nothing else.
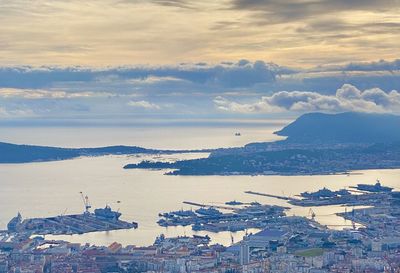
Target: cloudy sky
(118, 59)
(299, 33)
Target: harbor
(274, 241)
(103, 219)
(236, 216)
(136, 205)
(212, 218)
(360, 195)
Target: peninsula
(13, 153)
(316, 143)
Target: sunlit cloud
(347, 98)
(10, 93)
(144, 104)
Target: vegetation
(312, 252)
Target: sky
(300, 33)
(180, 59)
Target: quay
(207, 206)
(103, 219)
(209, 218)
(272, 195)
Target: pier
(207, 206)
(272, 195)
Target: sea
(44, 189)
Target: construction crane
(311, 214)
(64, 212)
(86, 203)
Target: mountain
(343, 128)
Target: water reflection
(47, 189)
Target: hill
(316, 144)
(13, 153)
(343, 128)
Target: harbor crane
(311, 214)
(86, 203)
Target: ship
(184, 213)
(103, 219)
(233, 203)
(373, 188)
(209, 212)
(325, 193)
(107, 213)
(205, 238)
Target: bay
(52, 188)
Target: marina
(209, 218)
(326, 197)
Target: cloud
(193, 90)
(102, 33)
(174, 3)
(241, 74)
(347, 98)
(12, 93)
(280, 11)
(156, 80)
(16, 112)
(144, 104)
(382, 65)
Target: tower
(244, 255)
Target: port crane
(86, 203)
(311, 214)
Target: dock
(272, 196)
(208, 206)
(101, 220)
(209, 218)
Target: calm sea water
(52, 188)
